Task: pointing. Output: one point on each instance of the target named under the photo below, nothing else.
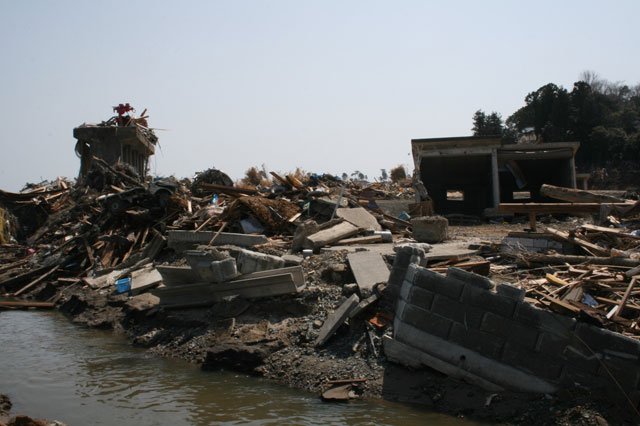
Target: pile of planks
(607, 296)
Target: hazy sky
(328, 86)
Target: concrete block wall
(463, 319)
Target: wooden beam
(576, 195)
(565, 236)
(623, 302)
(25, 304)
(36, 281)
(554, 207)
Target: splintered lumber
(623, 302)
(25, 304)
(555, 280)
(559, 305)
(590, 247)
(614, 231)
(576, 195)
(13, 265)
(633, 271)
(36, 281)
(280, 179)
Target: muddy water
(53, 369)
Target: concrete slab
(359, 217)
(408, 356)
(335, 319)
(204, 294)
(145, 279)
(177, 275)
(330, 235)
(368, 269)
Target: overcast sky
(328, 86)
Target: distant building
(469, 174)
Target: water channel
(54, 369)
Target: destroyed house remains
(469, 174)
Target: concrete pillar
(495, 180)
(572, 172)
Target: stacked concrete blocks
(493, 333)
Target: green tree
(487, 125)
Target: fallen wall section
(463, 326)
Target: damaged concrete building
(469, 174)
(120, 139)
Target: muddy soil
(274, 338)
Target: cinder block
(510, 291)
(625, 373)
(411, 272)
(448, 308)
(403, 260)
(470, 278)
(400, 307)
(599, 339)
(544, 320)
(224, 270)
(551, 344)
(532, 362)
(577, 356)
(405, 290)
(426, 321)
(509, 330)
(478, 341)
(437, 283)
(421, 298)
(539, 243)
(252, 261)
(488, 301)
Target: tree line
(603, 116)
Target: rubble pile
(298, 280)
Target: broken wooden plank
(614, 231)
(565, 236)
(25, 304)
(576, 195)
(36, 281)
(557, 303)
(623, 302)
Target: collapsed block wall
(491, 332)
